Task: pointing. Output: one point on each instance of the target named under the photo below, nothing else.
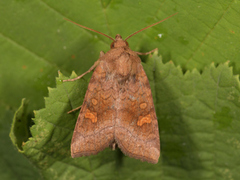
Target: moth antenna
(150, 26)
(90, 29)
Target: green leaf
(13, 165)
(199, 121)
(36, 42)
(20, 126)
(199, 124)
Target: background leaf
(36, 42)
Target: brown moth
(118, 106)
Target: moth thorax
(123, 65)
(119, 42)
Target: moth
(118, 106)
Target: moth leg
(146, 53)
(113, 146)
(91, 69)
(74, 109)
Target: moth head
(119, 42)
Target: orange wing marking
(91, 115)
(144, 119)
(143, 105)
(94, 101)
